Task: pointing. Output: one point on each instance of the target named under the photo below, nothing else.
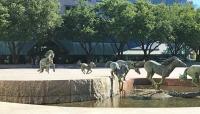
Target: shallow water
(130, 103)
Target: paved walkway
(66, 74)
(13, 108)
(59, 74)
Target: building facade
(67, 4)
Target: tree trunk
(88, 49)
(198, 55)
(146, 57)
(120, 50)
(14, 51)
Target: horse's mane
(169, 61)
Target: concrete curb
(14, 108)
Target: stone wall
(57, 91)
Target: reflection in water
(129, 102)
(116, 101)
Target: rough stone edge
(44, 98)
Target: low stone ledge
(57, 91)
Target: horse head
(137, 70)
(49, 54)
(92, 64)
(179, 63)
(133, 65)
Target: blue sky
(196, 3)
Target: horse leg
(83, 70)
(47, 70)
(42, 70)
(123, 91)
(197, 85)
(195, 80)
(120, 87)
(89, 71)
(161, 82)
(112, 74)
(150, 77)
(124, 77)
(53, 67)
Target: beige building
(66, 4)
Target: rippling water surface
(129, 102)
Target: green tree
(79, 25)
(193, 34)
(151, 26)
(29, 20)
(3, 17)
(182, 22)
(117, 15)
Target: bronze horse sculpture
(87, 68)
(164, 69)
(120, 71)
(46, 62)
(129, 64)
(194, 72)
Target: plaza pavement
(14, 108)
(66, 73)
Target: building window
(68, 7)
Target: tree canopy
(3, 17)
(79, 25)
(117, 21)
(117, 15)
(28, 20)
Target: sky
(196, 3)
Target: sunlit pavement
(14, 108)
(64, 73)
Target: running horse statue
(129, 64)
(87, 68)
(194, 72)
(120, 71)
(47, 62)
(164, 69)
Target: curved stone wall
(57, 91)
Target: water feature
(131, 102)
